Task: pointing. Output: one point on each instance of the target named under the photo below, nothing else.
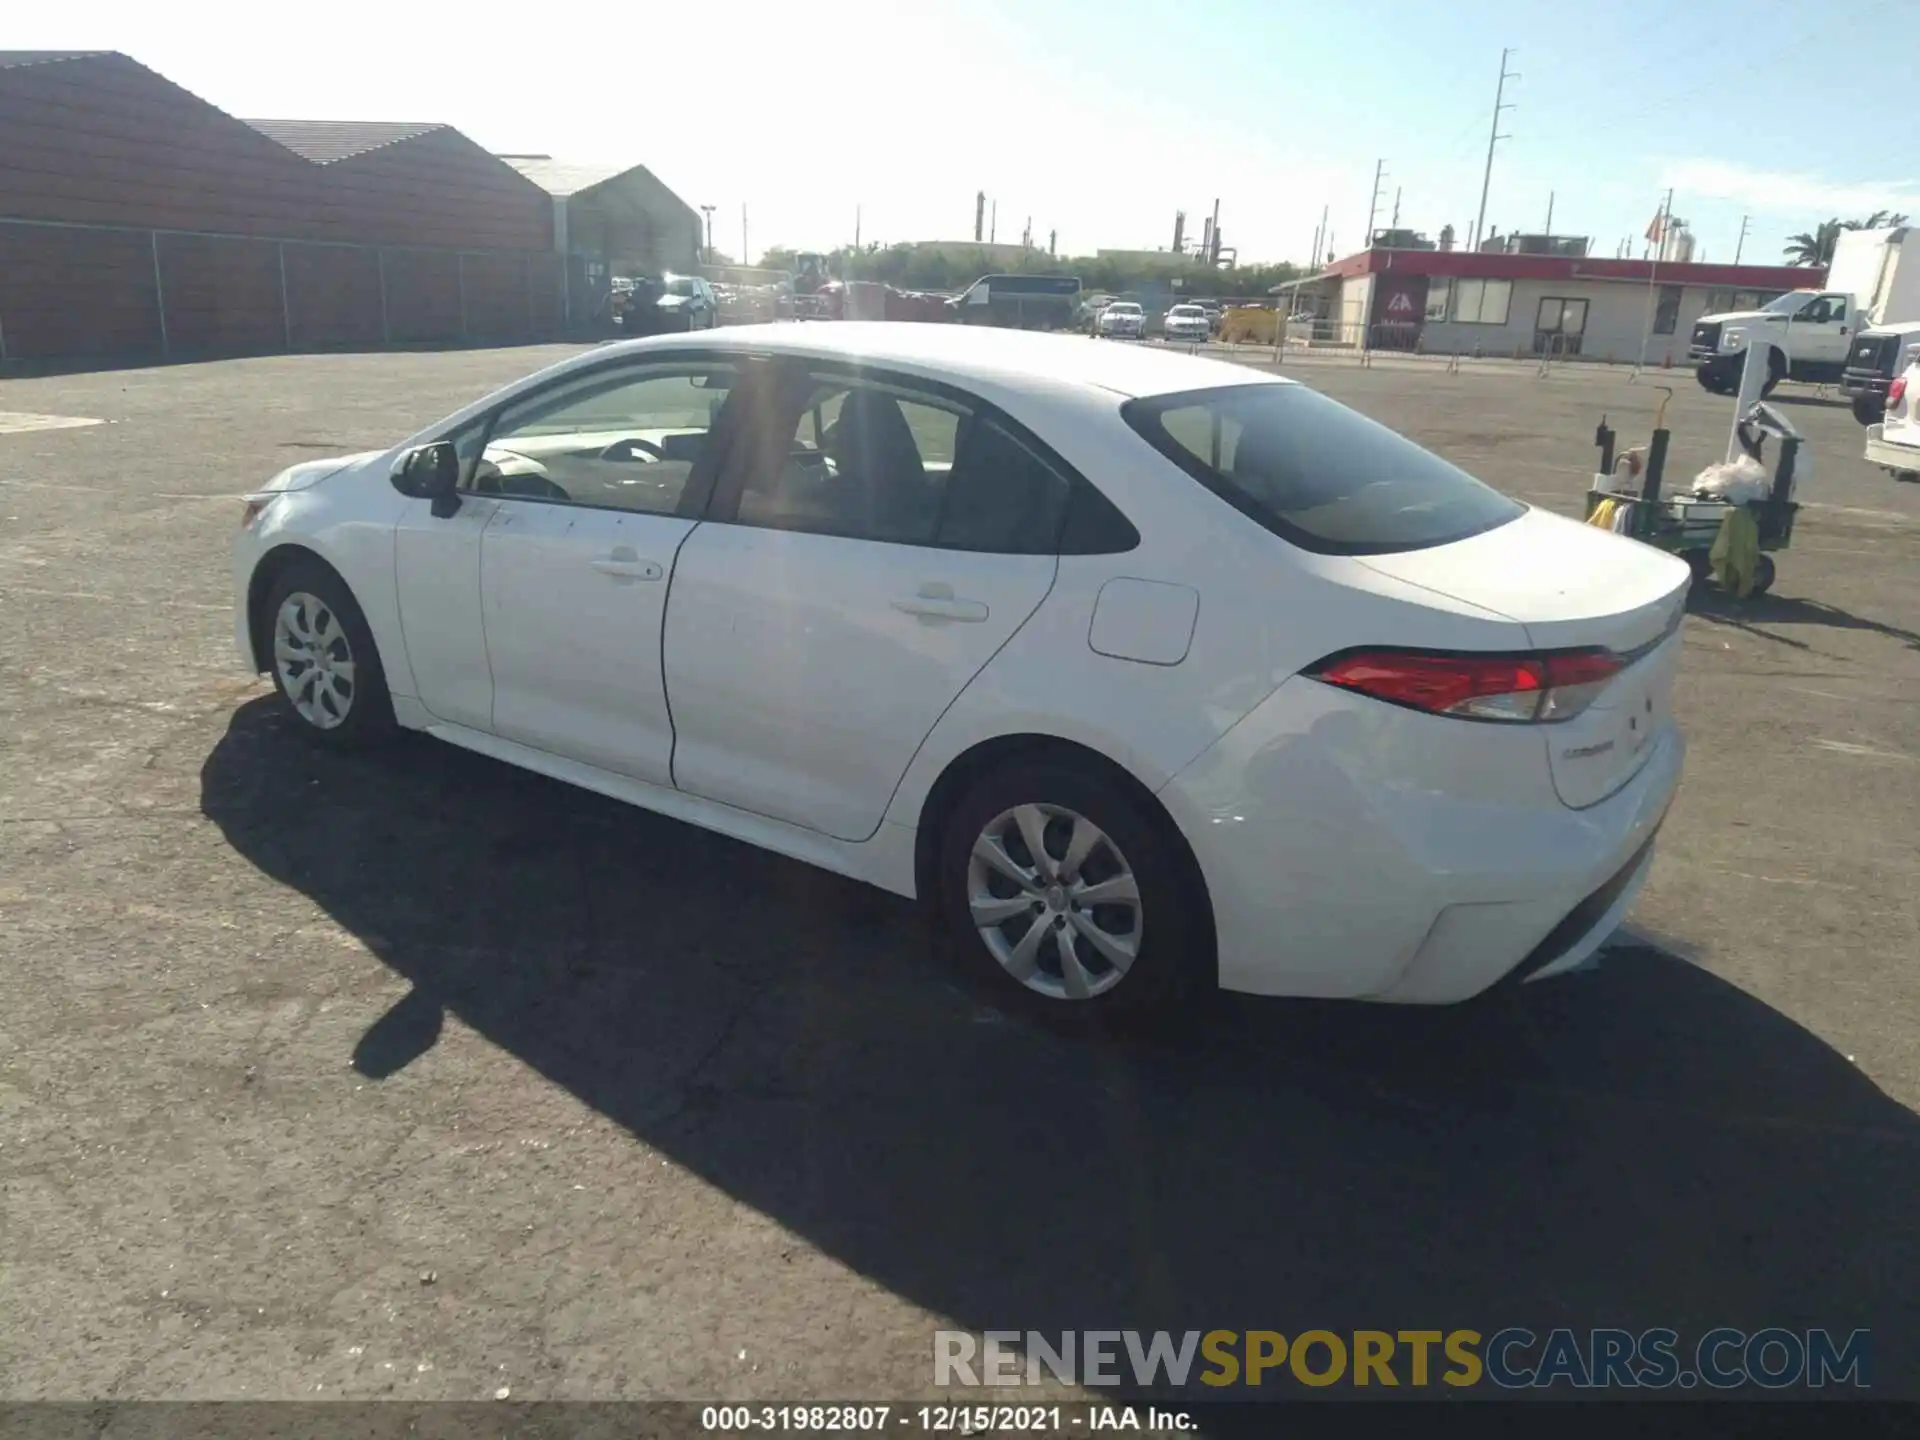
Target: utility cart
(1687, 525)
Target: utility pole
(993, 225)
(708, 210)
(1663, 225)
(1494, 137)
(1373, 204)
(1549, 229)
(1743, 238)
(744, 252)
(856, 229)
(1396, 207)
(1320, 235)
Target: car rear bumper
(1356, 850)
(1890, 453)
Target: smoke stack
(1179, 231)
(1213, 235)
(979, 216)
(1206, 237)
(1446, 237)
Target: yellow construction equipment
(1247, 325)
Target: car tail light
(1897, 391)
(1544, 687)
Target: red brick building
(136, 219)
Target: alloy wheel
(313, 660)
(1054, 901)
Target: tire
(1763, 573)
(1776, 372)
(1162, 928)
(345, 711)
(1869, 409)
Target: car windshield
(1316, 473)
(680, 285)
(1124, 307)
(1186, 311)
(1792, 303)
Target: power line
(1494, 137)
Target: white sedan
(1122, 319)
(1187, 322)
(1147, 672)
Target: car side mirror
(430, 472)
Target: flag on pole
(1657, 231)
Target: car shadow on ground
(1713, 604)
(1643, 1145)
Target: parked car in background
(1122, 320)
(673, 302)
(1894, 442)
(1090, 307)
(988, 618)
(1187, 323)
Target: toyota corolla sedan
(1147, 673)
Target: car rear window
(1314, 472)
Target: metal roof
(11, 58)
(561, 178)
(325, 141)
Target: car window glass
(879, 462)
(1316, 473)
(625, 442)
(866, 461)
(1001, 497)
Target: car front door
(1822, 330)
(871, 545)
(597, 484)
(436, 571)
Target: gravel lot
(418, 1076)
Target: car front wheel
(323, 658)
(1067, 894)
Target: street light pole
(708, 210)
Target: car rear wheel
(1067, 895)
(323, 658)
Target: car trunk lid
(1574, 586)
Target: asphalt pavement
(413, 1075)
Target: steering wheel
(632, 447)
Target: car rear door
(598, 481)
(869, 549)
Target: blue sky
(1100, 118)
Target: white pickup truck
(1817, 335)
(1894, 443)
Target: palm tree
(1817, 248)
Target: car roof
(960, 352)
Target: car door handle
(624, 564)
(938, 602)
